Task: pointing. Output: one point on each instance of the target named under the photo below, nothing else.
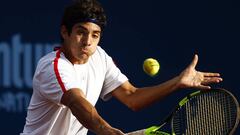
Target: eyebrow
(82, 27)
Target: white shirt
(53, 76)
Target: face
(82, 42)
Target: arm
(138, 98)
(86, 113)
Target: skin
(81, 43)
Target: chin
(83, 57)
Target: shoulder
(55, 58)
(45, 61)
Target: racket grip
(138, 132)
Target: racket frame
(188, 97)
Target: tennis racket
(212, 112)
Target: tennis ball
(151, 66)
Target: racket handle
(138, 132)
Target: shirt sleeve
(56, 78)
(113, 79)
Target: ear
(64, 32)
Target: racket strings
(207, 114)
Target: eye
(80, 32)
(95, 36)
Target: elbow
(134, 107)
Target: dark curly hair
(83, 11)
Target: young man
(68, 82)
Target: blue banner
(169, 31)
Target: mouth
(85, 50)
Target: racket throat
(155, 130)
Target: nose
(87, 40)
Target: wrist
(103, 129)
(177, 83)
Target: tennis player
(68, 81)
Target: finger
(210, 74)
(212, 79)
(208, 80)
(203, 87)
(194, 61)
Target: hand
(116, 132)
(111, 131)
(192, 78)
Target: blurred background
(170, 31)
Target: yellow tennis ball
(151, 66)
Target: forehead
(88, 26)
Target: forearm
(143, 97)
(87, 114)
(147, 95)
(88, 117)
